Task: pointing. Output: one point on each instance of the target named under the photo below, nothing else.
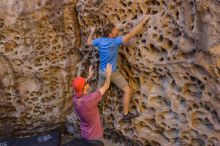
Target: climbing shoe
(130, 116)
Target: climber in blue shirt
(108, 51)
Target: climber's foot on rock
(129, 116)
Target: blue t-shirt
(108, 51)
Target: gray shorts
(116, 78)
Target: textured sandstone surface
(38, 56)
(173, 67)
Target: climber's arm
(136, 29)
(91, 71)
(106, 84)
(89, 41)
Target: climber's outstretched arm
(107, 80)
(136, 29)
(89, 41)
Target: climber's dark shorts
(84, 142)
(116, 78)
(93, 142)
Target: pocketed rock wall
(172, 66)
(38, 56)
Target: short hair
(108, 29)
